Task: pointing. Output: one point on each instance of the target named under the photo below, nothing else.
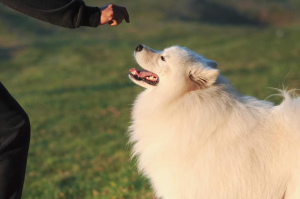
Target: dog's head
(176, 66)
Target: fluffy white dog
(197, 138)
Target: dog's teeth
(151, 78)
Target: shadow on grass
(67, 181)
(7, 53)
(216, 13)
(101, 87)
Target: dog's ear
(204, 77)
(211, 63)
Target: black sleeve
(14, 145)
(65, 13)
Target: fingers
(114, 23)
(120, 13)
(124, 13)
(116, 20)
(113, 15)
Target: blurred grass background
(74, 84)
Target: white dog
(197, 138)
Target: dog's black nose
(139, 47)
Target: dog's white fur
(197, 138)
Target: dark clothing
(14, 144)
(65, 13)
(14, 122)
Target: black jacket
(65, 13)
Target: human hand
(113, 14)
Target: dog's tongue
(142, 73)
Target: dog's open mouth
(144, 75)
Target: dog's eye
(162, 58)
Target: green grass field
(74, 86)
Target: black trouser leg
(14, 145)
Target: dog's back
(212, 142)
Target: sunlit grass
(74, 86)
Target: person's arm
(65, 13)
